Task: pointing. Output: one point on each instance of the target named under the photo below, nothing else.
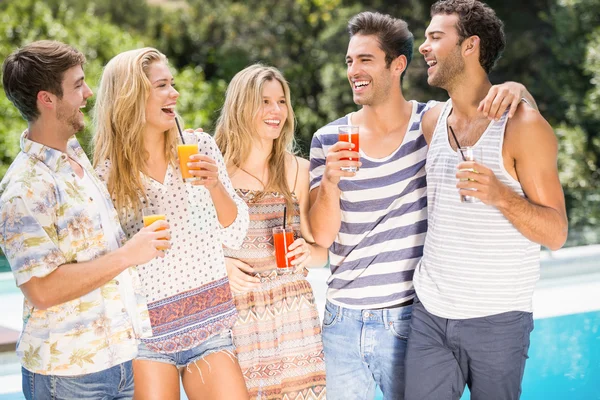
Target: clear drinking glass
(469, 153)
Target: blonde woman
(277, 333)
(189, 300)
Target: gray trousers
(488, 354)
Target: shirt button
(116, 282)
(91, 199)
(123, 310)
(63, 157)
(129, 335)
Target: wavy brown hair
(236, 129)
(119, 120)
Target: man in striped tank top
(473, 316)
(372, 221)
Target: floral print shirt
(47, 220)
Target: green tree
(29, 20)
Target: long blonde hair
(236, 128)
(119, 119)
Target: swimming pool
(564, 361)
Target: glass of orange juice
(186, 149)
(349, 133)
(151, 215)
(282, 238)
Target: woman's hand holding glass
(206, 169)
(300, 253)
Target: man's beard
(448, 71)
(72, 121)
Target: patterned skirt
(278, 340)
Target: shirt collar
(52, 158)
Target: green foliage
(25, 21)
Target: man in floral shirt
(83, 311)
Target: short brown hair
(392, 33)
(476, 18)
(35, 67)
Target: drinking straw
(455, 139)
(457, 144)
(284, 214)
(179, 129)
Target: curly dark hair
(476, 18)
(392, 33)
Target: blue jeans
(110, 384)
(488, 354)
(365, 348)
(181, 359)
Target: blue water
(564, 360)
(4, 266)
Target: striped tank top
(475, 262)
(383, 219)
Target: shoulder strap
(297, 170)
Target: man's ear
(46, 99)
(471, 45)
(399, 64)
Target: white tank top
(475, 262)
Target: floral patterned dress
(277, 332)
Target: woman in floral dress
(277, 333)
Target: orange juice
(344, 137)
(349, 133)
(184, 151)
(282, 239)
(150, 219)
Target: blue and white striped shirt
(384, 219)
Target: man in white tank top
(472, 317)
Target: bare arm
(226, 208)
(504, 96)
(318, 253)
(325, 215)
(541, 216)
(207, 170)
(71, 281)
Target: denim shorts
(114, 383)
(181, 359)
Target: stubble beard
(378, 94)
(448, 72)
(72, 121)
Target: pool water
(4, 266)
(564, 360)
